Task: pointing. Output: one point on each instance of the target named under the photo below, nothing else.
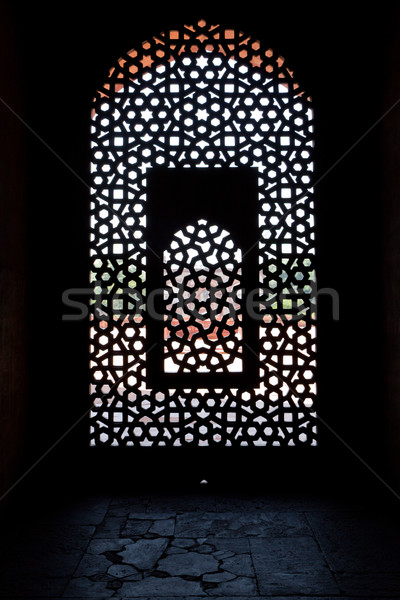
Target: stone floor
(203, 545)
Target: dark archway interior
(51, 63)
(50, 73)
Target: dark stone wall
(13, 317)
(390, 164)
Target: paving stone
(218, 577)
(153, 586)
(126, 571)
(241, 586)
(288, 555)
(277, 501)
(144, 554)
(92, 564)
(81, 587)
(119, 511)
(192, 563)
(110, 527)
(136, 527)
(262, 524)
(239, 565)
(175, 550)
(101, 545)
(356, 542)
(151, 515)
(236, 545)
(194, 525)
(362, 549)
(221, 554)
(204, 548)
(122, 506)
(164, 527)
(318, 581)
(290, 566)
(259, 524)
(183, 542)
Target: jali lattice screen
(202, 98)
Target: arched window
(201, 174)
(203, 332)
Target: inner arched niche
(202, 270)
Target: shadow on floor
(203, 543)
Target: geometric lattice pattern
(203, 96)
(202, 278)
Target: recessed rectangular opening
(203, 225)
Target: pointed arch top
(170, 44)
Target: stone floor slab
(319, 552)
(121, 506)
(219, 577)
(83, 587)
(241, 587)
(184, 542)
(101, 545)
(191, 563)
(359, 542)
(136, 527)
(144, 553)
(288, 555)
(175, 550)
(193, 524)
(258, 524)
(110, 527)
(92, 564)
(152, 515)
(157, 586)
(282, 502)
(319, 581)
(164, 527)
(238, 545)
(241, 564)
(124, 572)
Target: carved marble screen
(229, 356)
